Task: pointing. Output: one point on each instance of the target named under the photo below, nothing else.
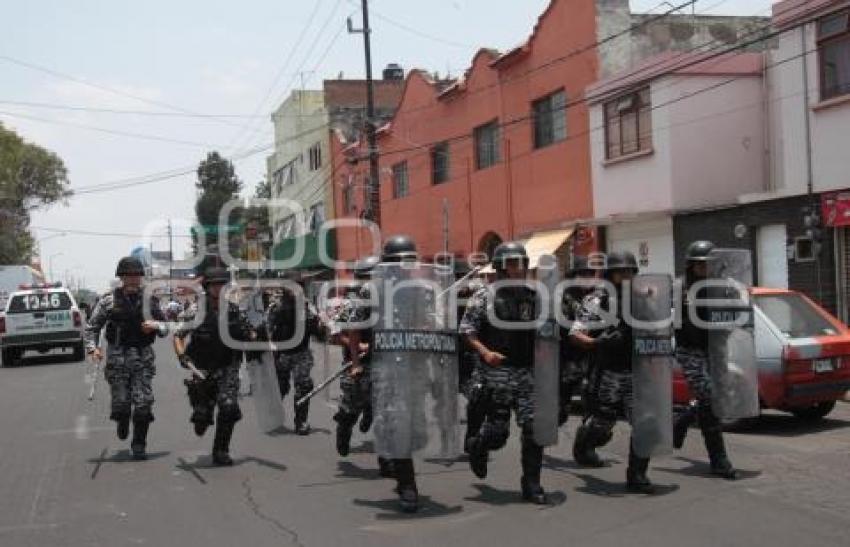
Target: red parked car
(803, 355)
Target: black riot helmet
(363, 267)
(621, 261)
(511, 250)
(699, 251)
(399, 248)
(129, 266)
(580, 266)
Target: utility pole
(374, 211)
(170, 259)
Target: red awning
(835, 207)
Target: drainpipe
(809, 168)
(768, 182)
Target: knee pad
(230, 413)
(345, 418)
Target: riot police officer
(216, 361)
(355, 385)
(504, 378)
(575, 361)
(692, 355)
(611, 348)
(297, 361)
(129, 356)
(399, 444)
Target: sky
(202, 75)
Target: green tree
(218, 184)
(31, 178)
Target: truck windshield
(794, 316)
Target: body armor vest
(513, 304)
(124, 325)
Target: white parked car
(41, 318)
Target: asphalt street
(66, 480)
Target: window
(317, 217)
(401, 186)
(440, 163)
(487, 149)
(285, 228)
(315, 154)
(628, 124)
(794, 316)
(834, 49)
(550, 119)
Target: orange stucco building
(489, 189)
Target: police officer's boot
(344, 427)
(584, 447)
(123, 425)
(532, 463)
(682, 422)
(636, 479)
(478, 456)
(720, 464)
(385, 468)
(366, 420)
(301, 413)
(141, 422)
(408, 495)
(221, 442)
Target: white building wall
(300, 123)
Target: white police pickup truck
(41, 318)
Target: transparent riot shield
(650, 317)
(546, 356)
(266, 392)
(731, 342)
(414, 363)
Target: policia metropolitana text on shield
(413, 363)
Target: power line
(55, 106)
(242, 141)
(65, 76)
(110, 131)
(416, 31)
(289, 58)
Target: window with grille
(487, 149)
(550, 119)
(628, 124)
(834, 55)
(401, 185)
(440, 163)
(315, 154)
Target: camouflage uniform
(130, 364)
(575, 363)
(220, 365)
(355, 391)
(508, 386)
(293, 364)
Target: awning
(539, 244)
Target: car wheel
(11, 356)
(80, 351)
(815, 412)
